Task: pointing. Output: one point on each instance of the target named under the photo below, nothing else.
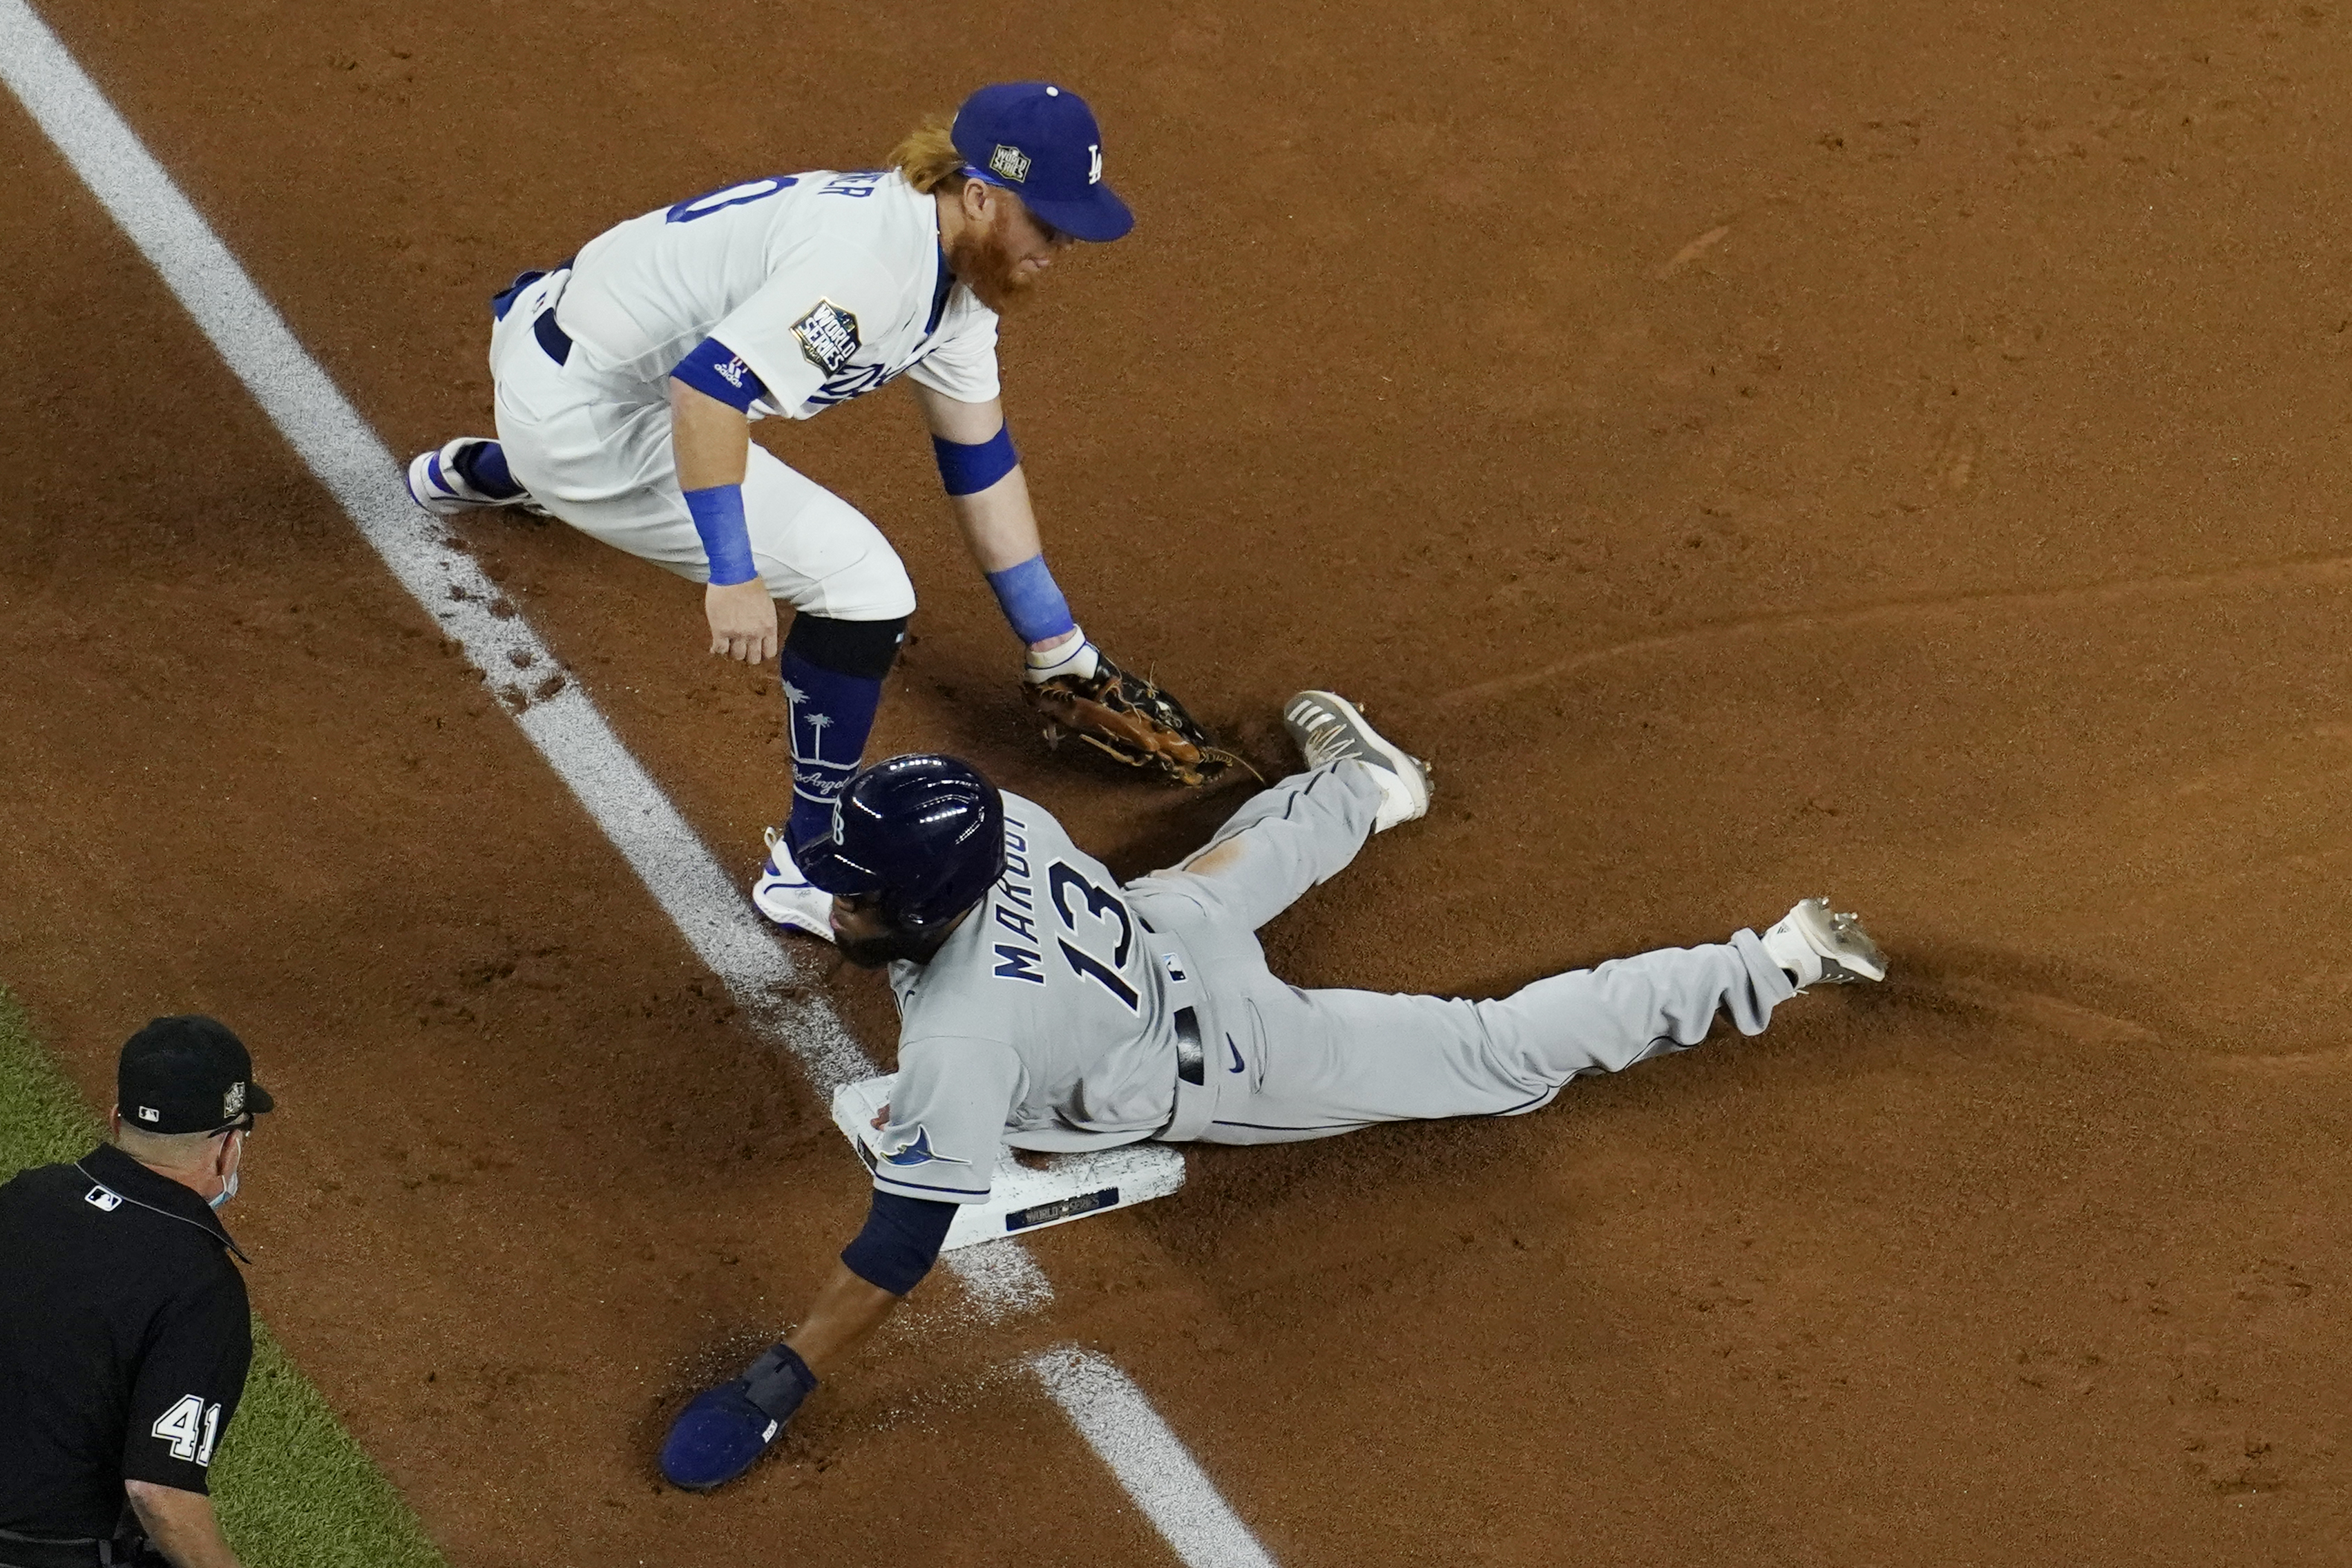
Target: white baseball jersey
(824, 285)
(1044, 1021)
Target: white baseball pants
(1290, 1064)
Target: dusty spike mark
(1694, 251)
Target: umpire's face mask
(237, 1166)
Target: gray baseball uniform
(1069, 1012)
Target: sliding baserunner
(1045, 1005)
(627, 379)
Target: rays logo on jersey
(828, 336)
(919, 1152)
(1009, 161)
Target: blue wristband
(968, 470)
(718, 512)
(1031, 601)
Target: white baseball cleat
(1818, 947)
(436, 484)
(786, 897)
(1329, 729)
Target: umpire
(124, 1333)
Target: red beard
(983, 264)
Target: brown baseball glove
(1128, 718)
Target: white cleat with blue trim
(787, 897)
(436, 483)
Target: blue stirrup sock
(832, 674)
(831, 713)
(483, 465)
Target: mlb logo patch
(149, 1113)
(1175, 966)
(101, 1200)
(1009, 163)
(828, 336)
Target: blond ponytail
(928, 160)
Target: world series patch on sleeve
(828, 336)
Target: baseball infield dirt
(1753, 449)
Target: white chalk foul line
(1158, 1471)
(775, 991)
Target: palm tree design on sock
(816, 778)
(796, 703)
(818, 723)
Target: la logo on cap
(1010, 163)
(1094, 174)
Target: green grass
(293, 1489)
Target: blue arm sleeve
(714, 370)
(901, 1242)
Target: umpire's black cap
(187, 1074)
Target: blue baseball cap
(1041, 144)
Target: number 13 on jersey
(1102, 906)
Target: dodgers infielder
(627, 377)
(1044, 1006)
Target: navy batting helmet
(924, 833)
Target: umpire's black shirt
(124, 1340)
